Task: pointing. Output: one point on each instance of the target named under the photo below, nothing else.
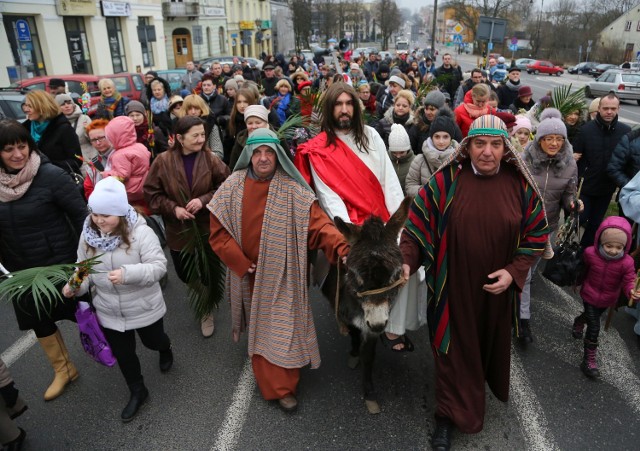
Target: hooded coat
(383, 126)
(604, 279)
(425, 165)
(556, 177)
(130, 160)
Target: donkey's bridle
(399, 282)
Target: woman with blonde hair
(194, 105)
(111, 103)
(284, 103)
(401, 113)
(52, 131)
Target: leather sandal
(401, 340)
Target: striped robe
(278, 313)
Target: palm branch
(43, 282)
(423, 90)
(204, 271)
(566, 101)
(288, 129)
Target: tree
(389, 20)
(301, 18)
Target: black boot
(166, 360)
(441, 439)
(525, 332)
(139, 394)
(578, 326)
(15, 445)
(589, 365)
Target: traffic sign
(513, 47)
(490, 46)
(24, 34)
(638, 56)
(457, 39)
(514, 40)
(458, 28)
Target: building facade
(249, 27)
(624, 33)
(49, 37)
(282, 36)
(194, 30)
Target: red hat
(524, 91)
(304, 84)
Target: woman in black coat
(52, 131)
(158, 92)
(41, 217)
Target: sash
(342, 171)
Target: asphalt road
(209, 400)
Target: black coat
(219, 106)
(449, 79)
(42, 228)
(596, 142)
(60, 143)
(625, 160)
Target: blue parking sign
(22, 27)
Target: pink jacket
(605, 278)
(130, 160)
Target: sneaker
(289, 403)
(207, 326)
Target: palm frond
(288, 129)
(44, 283)
(566, 101)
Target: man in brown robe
(264, 219)
(476, 255)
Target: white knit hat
(256, 111)
(399, 139)
(109, 197)
(397, 80)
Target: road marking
(227, 438)
(532, 419)
(22, 345)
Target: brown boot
(65, 372)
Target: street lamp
(538, 27)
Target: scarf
(73, 117)
(37, 129)
(283, 104)
(142, 132)
(159, 106)
(434, 157)
(608, 257)
(475, 111)
(105, 241)
(13, 186)
(111, 102)
(512, 86)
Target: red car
(544, 67)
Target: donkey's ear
(351, 232)
(397, 220)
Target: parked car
(521, 63)
(73, 82)
(255, 62)
(128, 84)
(359, 50)
(11, 100)
(206, 64)
(582, 68)
(173, 76)
(600, 69)
(544, 67)
(624, 82)
(632, 66)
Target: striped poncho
(427, 225)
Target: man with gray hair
(191, 79)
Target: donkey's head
(374, 263)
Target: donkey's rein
(399, 282)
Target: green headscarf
(265, 137)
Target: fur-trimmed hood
(538, 160)
(388, 115)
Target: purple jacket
(605, 278)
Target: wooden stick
(609, 316)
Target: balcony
(173, 10)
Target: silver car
(625, 83)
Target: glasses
(552, 139)
(97, 140)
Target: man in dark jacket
(218, 79)
(508, 91)
(625, 159)
(269, 80)
(448, 75)
(593, 149)
(371, 66)
(218, 103)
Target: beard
(343, 123)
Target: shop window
(116, 44)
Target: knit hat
(174, 101)
(613, 235)
(383, 69)
(524, 91)
(61, 98)
(395, 71)
(231, 83)
(354, 66)
(594, 105)
(434, 98)
(256, 111)
(501, 60)
(399, 139)
(551, 124)
(521, 122)
(442, 123)
(109, 197)
(136, 106)
(397, 80)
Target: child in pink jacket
(608, 269)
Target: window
(114, 34)
(147, 49)
(627, 26)
(78, 46)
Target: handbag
(566, 265)
(91, 335)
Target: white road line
(17, 349)
(530, 414)
(227, 438)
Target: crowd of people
(258, 160)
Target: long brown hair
(121, 229)
(328, 123)
(250, 97)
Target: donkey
(363, 293)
